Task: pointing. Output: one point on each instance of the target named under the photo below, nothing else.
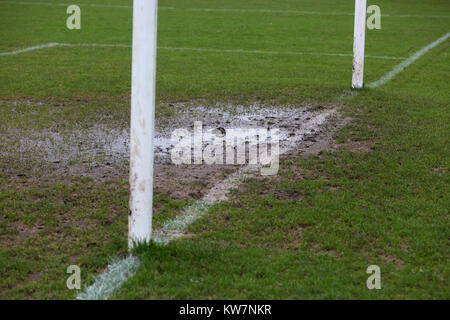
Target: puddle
(104, 143)
(102, 151)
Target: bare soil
(102, 152)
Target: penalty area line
(260, 52)
(402, 66)
(111, 280)
(42, 46)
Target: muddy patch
(102, 151)
(356, 146)
(312, 144)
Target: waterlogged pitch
(354, 204)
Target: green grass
(104, 72)
(45, 226)
(308, 233)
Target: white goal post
(359, 38)
(142, 120)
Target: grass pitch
(379, 195)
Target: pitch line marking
(277, 52)
(55, 44)
(295, 12)
(111, 280)
(47, 45)
(402, 66)
(298, 12)
(59, 4)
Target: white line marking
(47, 45)
(278, 52)
(112, 279)
(399, 68)
(94, 45)
(54, 44)
(298, 12)
(59, 4)
(294, 12)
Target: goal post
(359, 44)
(143, 87)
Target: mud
(102, 152)
(316, 132)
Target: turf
(310, 232)
(99, 73)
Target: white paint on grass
(112, 279)
(55, 44)
(276, 52)
(104, 45)
(232, 10)
(60, 4)
(399, 68)
(301, 12)
(42, 46)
